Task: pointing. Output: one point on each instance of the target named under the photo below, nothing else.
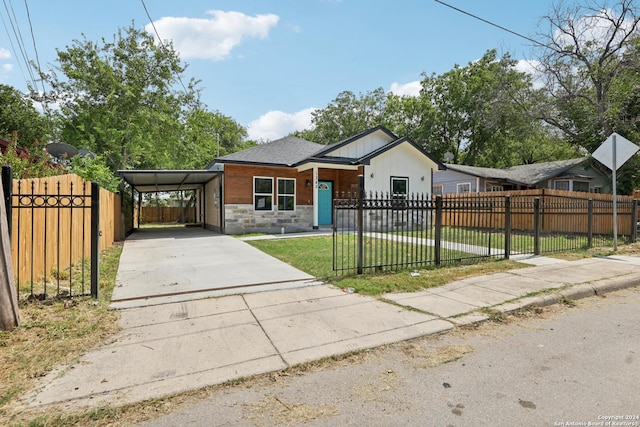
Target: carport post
(139, 207)
(204, 206)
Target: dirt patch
(426, 358)
(272, 410)
(375, 388)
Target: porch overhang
(149, 181)
(321, 165)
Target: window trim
(570, 185)
(440, 186)
(573, 181)
(292, 195)
(256, 194)
(458, 185)
(399, 178)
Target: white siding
(363, 146)
(403, 161)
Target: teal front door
(325, 202)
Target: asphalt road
(568, 365)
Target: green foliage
(207, 136)
(592, 81)
(28, 166)
(347, 115)
(479, 113)
(95, 170)
(17, 114)
(125, 99)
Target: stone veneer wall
(241, 219)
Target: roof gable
(339, 148)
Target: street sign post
(613, 153)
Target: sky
(269, 63)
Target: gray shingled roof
(522, 174)
(284, 151)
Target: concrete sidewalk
(171, 348)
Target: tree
(209, 135)
(123, 99)
(480, 115)
(346, 116)
(590, 62)
(94, 169)
(17, 114)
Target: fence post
(507, 227)
(634, 220)
(438, 235)
(360, 222)
(590, 223)
(536, 226)
(7, 186)
(95, 239)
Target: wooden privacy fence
(153, 214)
(51, 230)
(559, 211)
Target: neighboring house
(570, 175)
(290, 184)
(20, 152)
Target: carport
(155, 181)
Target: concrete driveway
(164, 265)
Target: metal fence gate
(54, 230)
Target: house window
(494, 187)
(286, 194)
(463, 187)
(581, 186)
(399, 187)
(438, 189)
(596, 189)
(564, 185)
(262, 193)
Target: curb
(581, 291)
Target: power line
(18, 37)
(35, 49)
(155, 30)
(491, 23)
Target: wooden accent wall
(238, 181)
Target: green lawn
(313, 255)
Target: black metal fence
(56, 242)
(386, 231)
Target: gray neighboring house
(568, 175)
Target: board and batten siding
(403, 161)
(363, 146)
(450, 180)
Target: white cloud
(407, 89)
(7, 68)
(212, 38)
(532, 68)
(594, 27)
(277, 124)
(4, 53)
